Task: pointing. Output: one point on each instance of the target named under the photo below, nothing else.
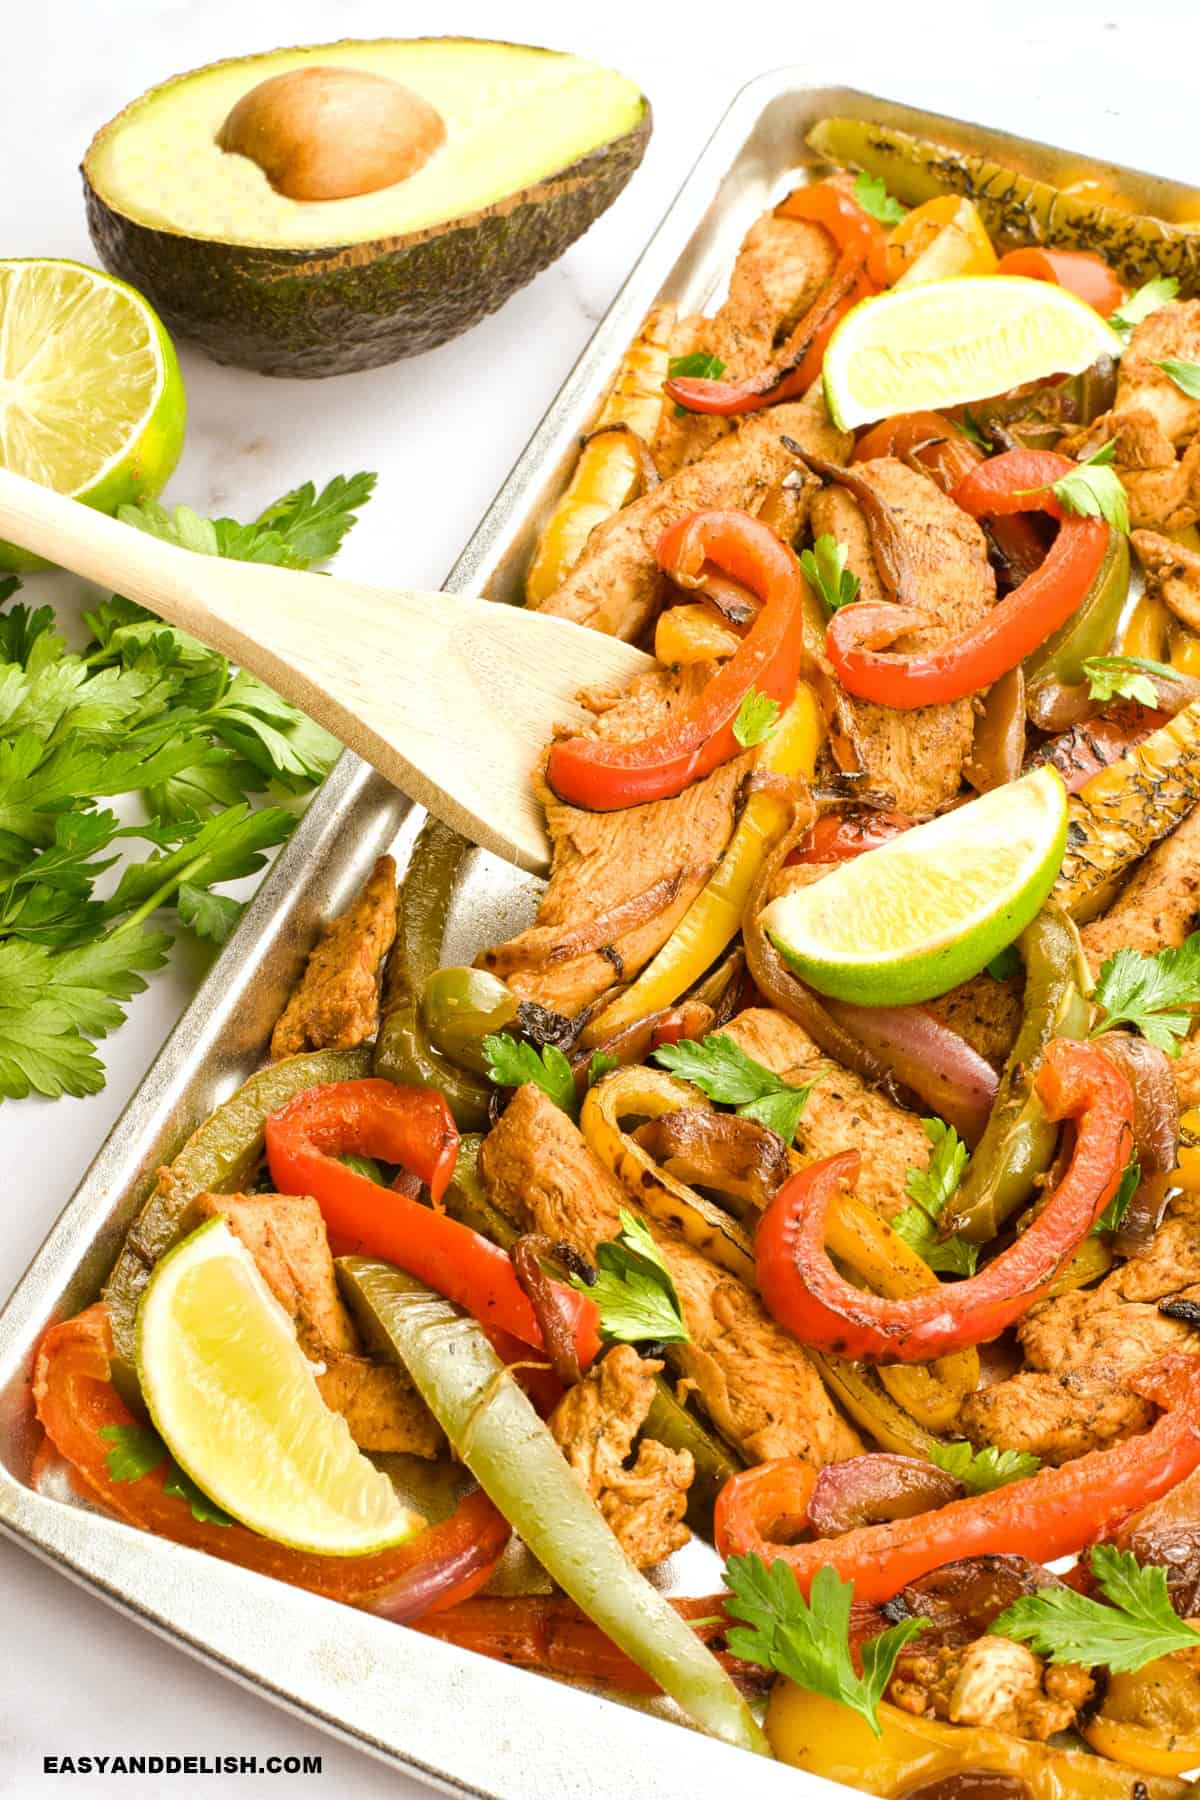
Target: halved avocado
(536, 144)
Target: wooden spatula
(452, 699)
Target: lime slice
(941, 343)
(237, 1403)
(932, 907)
(91, 398)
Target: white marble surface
(442, 431)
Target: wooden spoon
(452, 699)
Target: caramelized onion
(1167, 1534)
(869, 1490)
(718, 1150)
(970, 1784)
(942, 1070)
(892, 561)
(963, 1599)
(1155, 1134)
(557, 1334)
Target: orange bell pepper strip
(804, 1292)
(1056, 1512)
(1082, 273)
(849, 225)
(603, 777)
(412, 1126)
(1017, 481)
(76, 1401)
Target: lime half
(91, 398)
(931, 908)
(237, 1403)
(941, 343)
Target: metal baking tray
(399, 1696)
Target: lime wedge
(91, 398)
(931, 908)
(237, 1403)
(942, 343)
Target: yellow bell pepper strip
(861, 1395)
(825, 1738)
(1150, 1719)
(1125, 809)
(867, 1247)
(1187, 1175)
(1184, 649)
(608, 472)
(715, 915)
(1147, 630)
(512, 1455)
(940, 238)
(693, 634)
(649, 1094)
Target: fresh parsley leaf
(311, 525)
(1185, 375)
(1113, 1215)
(931, 1191)
(1094, 490)
(512, 1062)
(720, 1068)
(809, 1641)
(982, 1470)
(1006, 965)
(1156, 994)
(634, 1290)
(137, 1450)
(698, 365)
(363, 1165)
(52, 1003)
(210, 916)
(1136, 1627)
(204, 1510)
(602, 1063)
(756, 718)
(871, 193)
(972, 430)
(825, 566)
(1125, 678)
(1140, 304)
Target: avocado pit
(326, 133)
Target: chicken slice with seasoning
(336, 1004)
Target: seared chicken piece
(285, 1234)
(781, 268)
(986, 1013)
(1169, 1263)
(1172, 572)
(915, 757)
(1084, 1332)
(1155, 424)
(755, 1382)
(842, 1112)
(621, 881)
(1056, 1417)
(595, 1424)
(1159, 905)
(993, 1682)
(336, 1005)
(616, 586)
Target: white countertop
(442, 431)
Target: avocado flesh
(513, 116)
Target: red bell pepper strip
(76, 1400)
(1018, 481)
(804, 1292)
(797, 365)
(767, 1504)
(413, 1126)
(1083, 274)
(848, 224)
(1056, 1512)
(601, 776)
(837, 837)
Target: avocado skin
(312, 313)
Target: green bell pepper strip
(1090, 631)
(494, 1429)
(460, 1007)
(668, 1422)
(403, 1052)
(220, 1157)
(1019, 1142)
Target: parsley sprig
(931, 1191)
(1185, 375)
(871, 193)
(1136, 1627)
(1156, 994)
(147, 713)
(1094, 490)
(697, 365)
(1113, 1215)
(825, 566)
(1126, 678)
(1140, 304)
(633, 1289)
(756, 718)
(137, 1450)
(511, 1062)
(809, 1641)
(981, 1471)
(720, 1068)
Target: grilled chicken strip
(621, 881)
(595, 1423)
(915, 757)
(616, 586)
(991, 1682)
(285, 1234)
(1172, 572)
(336, 1005)
(756, 1383)
(781, 268)
(1159, 905)
(842, 1112)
